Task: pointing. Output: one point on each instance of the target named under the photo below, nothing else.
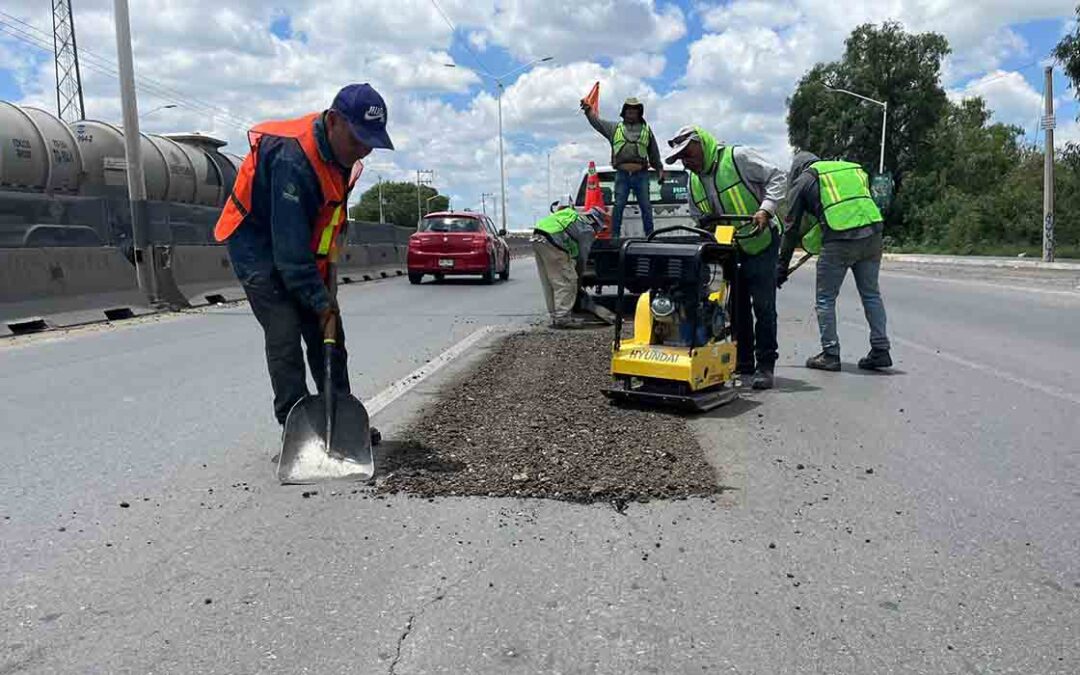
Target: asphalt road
(920, 522)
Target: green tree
(1068, 53)
(884, 63)
(399, 203)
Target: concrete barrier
(27, 273)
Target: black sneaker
(824, 361)
(763, 379)
(876, 360)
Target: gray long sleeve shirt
(766, 181)
(629, 153)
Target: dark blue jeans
(755, 307)
(638, 182)
(286, 323)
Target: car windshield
(449, 224)
(672, 191)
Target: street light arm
(851, 93)
(528, 65)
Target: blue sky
(727, 65)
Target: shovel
(328, 435)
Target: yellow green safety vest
(619, 140)
(556, 224)
(845, 196)
(735, 199)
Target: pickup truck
(670, 206)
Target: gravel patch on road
(529, 420)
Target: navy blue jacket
(275, 238)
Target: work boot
(824, 361)
(876, 360)
(744, 370)
(763, 379)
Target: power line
(453, 29)
(102, 65)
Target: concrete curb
(977, 261)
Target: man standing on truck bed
(738, 181)
(633, 151)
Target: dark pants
(285, 323)
(863, 258)
(625, 182)
(756, 292)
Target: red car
(451, 243)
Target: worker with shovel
(281, 225)
(561, 243)
(833, 215)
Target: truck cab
(670, 206)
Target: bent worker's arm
(295, 198)
(756, 170)
(799, 204)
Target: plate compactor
(682, 353)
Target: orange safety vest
(335, 189)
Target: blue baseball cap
(365, 110)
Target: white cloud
(735, 82)
(1008, 94)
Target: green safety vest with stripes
(845, 201)
(735, 199)
(555, 226)
(619, 140)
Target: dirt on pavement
(529, 420)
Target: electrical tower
(69, 96)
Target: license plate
(446, 262)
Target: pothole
(529, 420)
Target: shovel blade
(305, 458)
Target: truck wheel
(505, 274)
(415, 278)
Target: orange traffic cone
(592, 99)
(594, 197)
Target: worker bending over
(832, 213)
(561, 243)
(282, 223)
(735, 180)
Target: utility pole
(144, 257)
(382, 217)
(69, 94)
(483, 200)
(423, 177)
(1048, 171)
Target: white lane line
(1074, 295)
(1049, 390)
(398, 389)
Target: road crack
(401, 642)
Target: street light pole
(884, 119)
(136, 179)
(501, 89)
(150, 112)
(382, 218)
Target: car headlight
(662, 306)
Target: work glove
(781, 277)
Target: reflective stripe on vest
(334, 186)
(555, 225)
(845, 196)
(735, 199)
(618, 140)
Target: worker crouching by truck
(561, 243)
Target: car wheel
(439, 276)
(415, 278)
(489, 276)
(505, 274)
